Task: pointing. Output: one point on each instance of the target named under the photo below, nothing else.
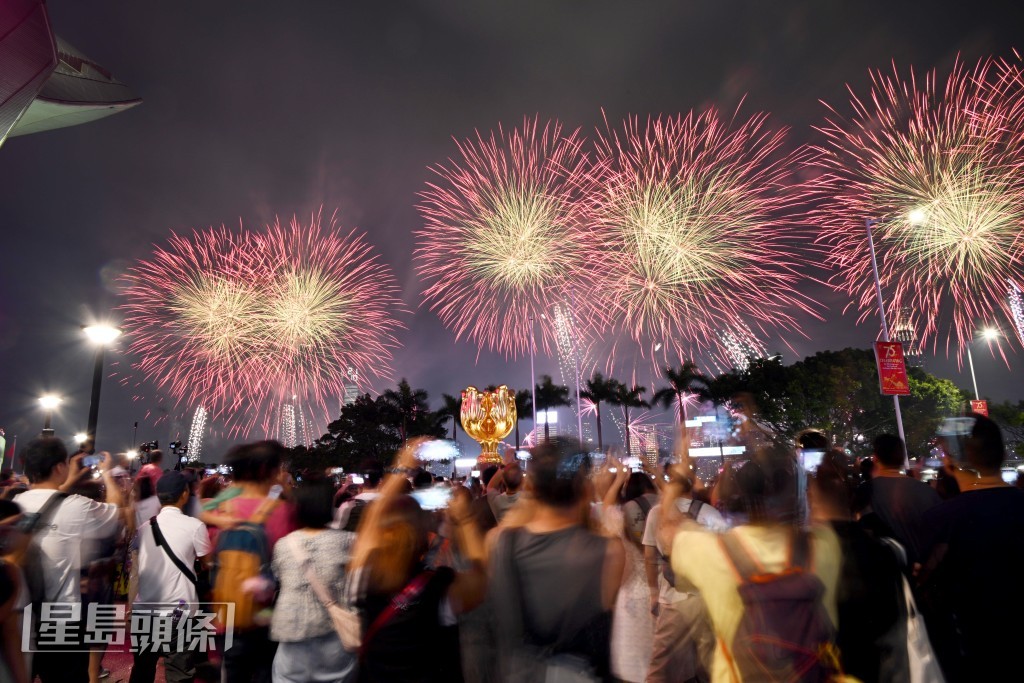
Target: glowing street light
(80, 437)
(868, 224)
(49, 403)
(102, 336)
(989, 334)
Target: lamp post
(101, 336)
(868, 224)
(48, 403)
(988, 334)
(533, 376)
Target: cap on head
(170, 487)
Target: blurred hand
(406, 455)
(460, 505)
(76, 472)
(510, 456)
(108, 462)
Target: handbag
(346, 622)
(924, 666)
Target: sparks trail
(937, 163)
(695, 231)
(242, 322)
(504, 233)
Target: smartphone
(92, 460)
(275, 492)
(356, 479)
(810, 459)
(475, 474)
(953, 432)
(434, 498)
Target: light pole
(101, 336)
(576, 357)
(868, 224)
(49, 403)
(533, 376)
(988, 334)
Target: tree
(683, 382)
(365, 430)
(598, 390)
(452, 408)
(410, 412)
(837, 393)
(550, 395)
(524, 407)
(628, 397)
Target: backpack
(784, 634)
(242, 555)
(666, 565)
(32, 559)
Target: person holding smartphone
(976, 551)
(70, 520)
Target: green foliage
(373, 429)
(837, 393)
(687, 379)
(551, 395)
(600, 389)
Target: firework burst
(242, 323)
(501, 240)
(935, 163)
(690, 230)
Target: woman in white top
(147, 505)
(309, 648)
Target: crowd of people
(558, 569)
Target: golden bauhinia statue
(488, 417)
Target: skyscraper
(904, 331)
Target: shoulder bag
(346, 622)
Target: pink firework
(244, 323)
(502, 236)
(935, 164)
(693, 231)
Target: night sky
(255, 109)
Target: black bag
(785, 634)
(198, 575)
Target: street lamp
(989, 334)
(916, 216)
(101, 336)
(49, 403)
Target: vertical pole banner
(892, 370)
(980, 407)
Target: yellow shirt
(698, 556)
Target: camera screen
(92, 460)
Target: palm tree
(524, 407)
(683, 382)
(629, 397)
(550, 395)
(600, 389)
(408, 405)
(453, 409)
